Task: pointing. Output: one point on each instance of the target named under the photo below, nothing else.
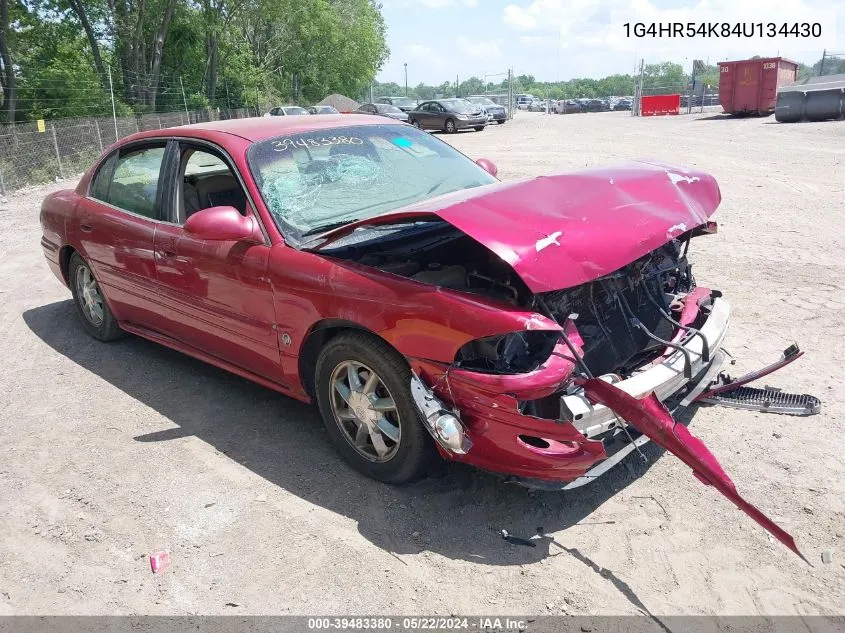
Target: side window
(130, 181)
(207, 181)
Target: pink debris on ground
(159, 561)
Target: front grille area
(612, 343)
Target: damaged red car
(426, 307)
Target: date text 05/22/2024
(418, 623)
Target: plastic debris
(827, 557)
(515, 540)
(159, 561)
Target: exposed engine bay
(624, 318)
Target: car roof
(259, 128)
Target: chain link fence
(63, 148)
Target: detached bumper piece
(733, 392)
(767, 400)
(651, 418)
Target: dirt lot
(109, 452)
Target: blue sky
(562, 39)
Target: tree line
(67, 57)
(663, 77)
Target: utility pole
(457, 83)
(638, 97)
(821, 68)
(406, 79)
(113, 110)
(184, 100)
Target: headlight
(514, 353)
(463, 117)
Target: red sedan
(425, 306)
(531, 328)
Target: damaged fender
(651, 418)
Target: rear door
(116, 228)
(217, 293)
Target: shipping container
(750, 86)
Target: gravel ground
(110, 452)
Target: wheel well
(65, 254)
(321, 334)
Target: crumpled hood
(564, 230)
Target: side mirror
(223, 224)
(488, 166)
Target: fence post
(2, 184)
(99, 136)
(184, 100)
(159, 121)
(56, 146)
(113, 111)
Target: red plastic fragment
(159, 561)
(649, 416)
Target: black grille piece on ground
(767, 400)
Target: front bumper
(463, 124)
(550, 453)
(664, 379)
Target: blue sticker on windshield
(401, 141)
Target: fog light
(450, 432)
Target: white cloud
(550, 14)
(598, 25)
(425, 54)
(480, 49)
(541, 41)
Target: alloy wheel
(365, 411)
(90, 298)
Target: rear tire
(90, 301)
(344, 371)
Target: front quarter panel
(419, 320)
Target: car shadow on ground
(457, 512)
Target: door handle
(85, 227)
(167, 254)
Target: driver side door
(216, 294)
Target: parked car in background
(290, 110)
(384, 109)
(523, 101)
(449, 115)
(537, 106)
(570, 106)
(495, 112)
(322, 109)
(406, 104)
(624, 103)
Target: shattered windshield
(314, 181)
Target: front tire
(450, 126)
(416, 123)
(90, 301)
(364, 395)
(479, 128)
